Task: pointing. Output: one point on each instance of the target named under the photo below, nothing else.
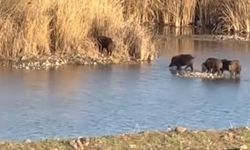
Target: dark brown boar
(212, 65)
(182, 60)
(105, 43)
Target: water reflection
(171, 42)
(173, 31)
(226, 81)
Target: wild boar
(105, 43)
(182, 60)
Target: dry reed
(61, 27)
(222, 16)
(235, 15)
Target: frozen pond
(106, 100)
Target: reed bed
(235, 16)
(172, 12)
(224, 16)
(221, 16)
(64, 27)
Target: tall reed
(235, 15)
(174, 12)
(221, 15)
(225, 16)
(62, 27)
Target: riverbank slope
(180, 138)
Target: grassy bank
(235, 139)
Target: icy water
(108, 100)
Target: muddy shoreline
(57, 61)
(177, 138)
(54, 61)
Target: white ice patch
(195, 74)
(198, 74)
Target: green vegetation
(237, 139)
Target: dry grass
(225, 16)
(220, 15)
(235, 15)
(172, 12)
(61, 27)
